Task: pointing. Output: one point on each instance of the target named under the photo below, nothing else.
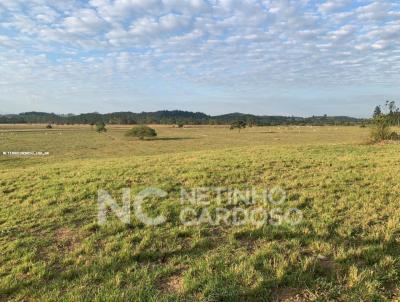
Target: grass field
(346, 248)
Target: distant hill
(173, 117)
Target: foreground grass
(346, 248)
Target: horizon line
(181, 110)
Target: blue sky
(290, 57)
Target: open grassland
(346, 248)
(66, 143)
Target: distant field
(346, 247)
(81, 142)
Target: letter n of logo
(104, 200)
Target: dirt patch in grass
(287, 295)
(326, 263)
(66, 238)
(172, 284)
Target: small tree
(180, 125)
(141, 132)
(101, 127)
(238, 125)
(377, 111)
(391, 106)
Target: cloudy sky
(291, 57)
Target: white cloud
(333, 5)
(381, 44)
(84, 21)
(376, 10)
(343, 32)
(173, 22)
(222, 43)
(7, 42)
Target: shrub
(381, 129)
(238, 125)
(141, 132)
(49, 126)
(180, 125)
(101, 127)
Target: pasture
(346, 247)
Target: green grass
(346, 248)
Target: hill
(172, 117)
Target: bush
(101, 127)
(180, 125)
(141, 132)
(238, 125)
(380, 130)
(49, 126)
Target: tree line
(176, 117)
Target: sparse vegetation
(383, 120)
(141, 132)
(238, 125)
(101, 127)
(381, 129)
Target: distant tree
(141, 132)
(377, 111)
(180, 125)
(49, 126)
(114, 121)
(130, 121)
(238, 125)
(101, 127)
(251, 122)
(393, 112)
(391, 106)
